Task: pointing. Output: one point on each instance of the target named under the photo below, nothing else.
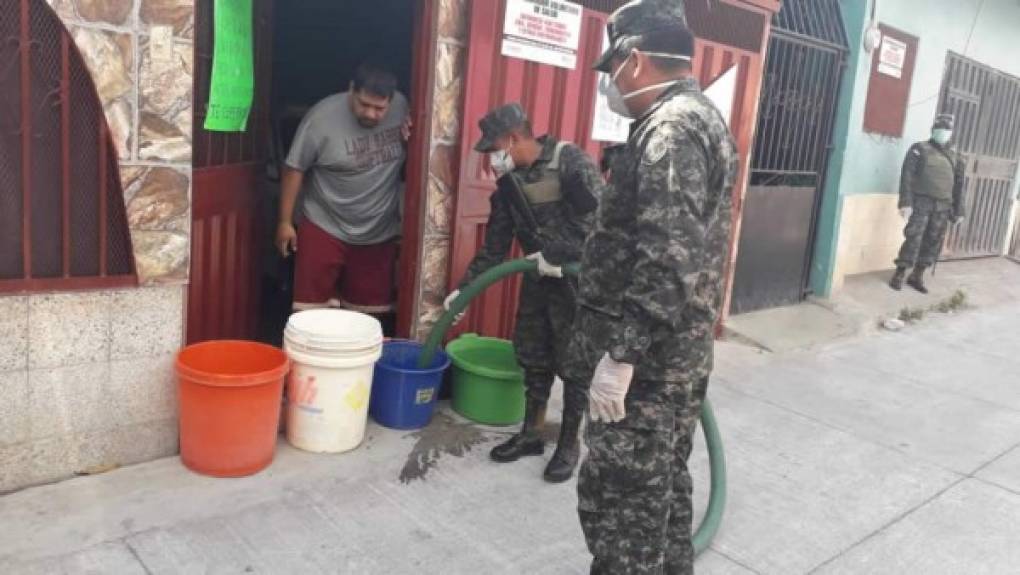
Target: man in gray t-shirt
(346, 158)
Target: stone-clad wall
(86, 378)
(140, 56)
(448, 97)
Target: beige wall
(86, 381)
(871, 231)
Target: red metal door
(225, 235)
(417, 166)
(730, 33)
(558, 102)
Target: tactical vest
(547, 189)
(937, 177)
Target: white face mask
(617, 101)
(502, 162)
(941, 136)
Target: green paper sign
(232, 86)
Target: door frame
(423, 48)
(416, 178)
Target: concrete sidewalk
(894, 453)
(866, 300)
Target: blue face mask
(941, 136)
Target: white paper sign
(607, 125)
(891, 57)
(723, 91)
(544, 31)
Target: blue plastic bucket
(404, 396)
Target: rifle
(958, 182)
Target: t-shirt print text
(373, 150)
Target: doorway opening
(317, 46)
(807, 50)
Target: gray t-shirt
(352, 174)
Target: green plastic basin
(488, 385)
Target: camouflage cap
(943, 121)
(639, 20)
(497, 123)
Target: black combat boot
(897, 279)
(916, 279)
(529, 440)
(568, 447)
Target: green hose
(710, 523)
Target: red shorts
(330, 272)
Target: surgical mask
(941, 136)
(502, 162)
(617, 101)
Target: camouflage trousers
(545, 321)
(925, 233)
(634, 488)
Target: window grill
(62, 218)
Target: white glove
(609, 388)
(906, 212)
(957, 219)
(449, 301)
(545, 268)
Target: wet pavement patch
(444, 436)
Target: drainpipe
(816, 211)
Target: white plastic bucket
(333, 354)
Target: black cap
(645, 22)
(498, 123)
(943, 121)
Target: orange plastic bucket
(229, 393)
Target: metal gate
(986, 104)
(806, 56)
(62, 218)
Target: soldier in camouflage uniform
(549, 211)
(651, 286)
(931, 195)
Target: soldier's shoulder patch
(659, 143)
